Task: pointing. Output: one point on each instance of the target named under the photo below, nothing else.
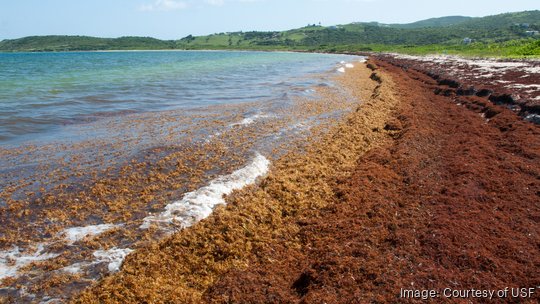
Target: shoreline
(84, 98)
(533, 58)
(391, 196)
(257, 216)
(80, 225)
(363, 183)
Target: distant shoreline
(509, 35)
(351, 53)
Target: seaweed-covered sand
(72, 210)
(430, 182)
(414, 190)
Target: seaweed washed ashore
(414, 190)
(414, 183)
(73, 220)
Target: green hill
(496, 28)
(503, 34)
(432, 22)
(82, 43)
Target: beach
(419, 180)
(413, 190)
(74, 207)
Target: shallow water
(42, 92)
(76, 198)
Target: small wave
(244, 122)
(75, 234)
(249, 120)
(296, 128)
(199, 204)
(343, 66)
(75, 268)
(114, 257)
(13, 260)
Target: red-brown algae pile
(512, 83)
(435, 196)
(432, 182)
(256, 218)
(451, 201)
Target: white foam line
(75, 268)
(75, 234)
(249, 120)
(345, 65)
(533, 117)
(197, 205)
(244, 122)
(13, 260)
(114, 257)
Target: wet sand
(414, 189)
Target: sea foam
(13, 260)
(197, 205)
(344, 65)
(75, 234)
(114, 257)
(249, 120)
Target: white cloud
(164, 5)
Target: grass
(527, 48)
(509, 49)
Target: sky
(174, 19)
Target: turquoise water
(41, 92)
(205, 123)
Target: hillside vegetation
(83, 43)
(510, 34)
(432, 22)
(493, 33)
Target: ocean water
(84, 137)
(42, 92)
